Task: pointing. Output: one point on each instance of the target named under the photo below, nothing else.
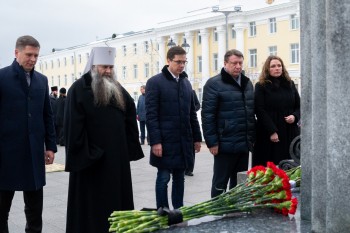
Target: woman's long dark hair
(265, 73)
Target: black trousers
(33, 209)
(226, 167)
(191, 168)
(60, 135)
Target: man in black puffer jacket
(228, 121)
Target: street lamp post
(226, 13)
(171, 43)
(185, 45)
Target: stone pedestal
(241, 177)
(325, 95)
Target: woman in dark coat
(277, 108)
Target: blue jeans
(177, 195)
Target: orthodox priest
(101, 139)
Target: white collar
(174, 76)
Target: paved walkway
(197, 189)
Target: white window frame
(294, 53)
(294, 22)
(124, 50)
(146, 70)
(253, 58)
(136, 96)
(252, 29)
(199, 64)
(215, 62)
(124, 72)
(272, 50)
(233, 33)
(215, 35)
(272, 25)
(146, 46)
(135, 48)
(135, 68)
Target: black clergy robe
(100, 143)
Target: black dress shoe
(189, 173)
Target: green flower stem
(153, 223)
(258, 191)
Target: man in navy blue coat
(27, 134)
(172, 126)
(141, 114)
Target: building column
(325, 146)
(205, 55)
(189, 36)
(239, 29)
(221, 45)
(162, 55)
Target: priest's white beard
(106, 89)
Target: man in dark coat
(172, 125)
(228, 121)
(141, 114)
(53, 93)
(27, 134)
(53, 98)
(53, 102)
(60, 102)
(101, 139)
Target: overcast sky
(65, 23)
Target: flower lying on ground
(265, 187)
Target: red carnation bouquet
(265, 187)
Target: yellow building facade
(272, 29)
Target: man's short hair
(24, 41)
(143, 87)
(176, 50)
(232, 52)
